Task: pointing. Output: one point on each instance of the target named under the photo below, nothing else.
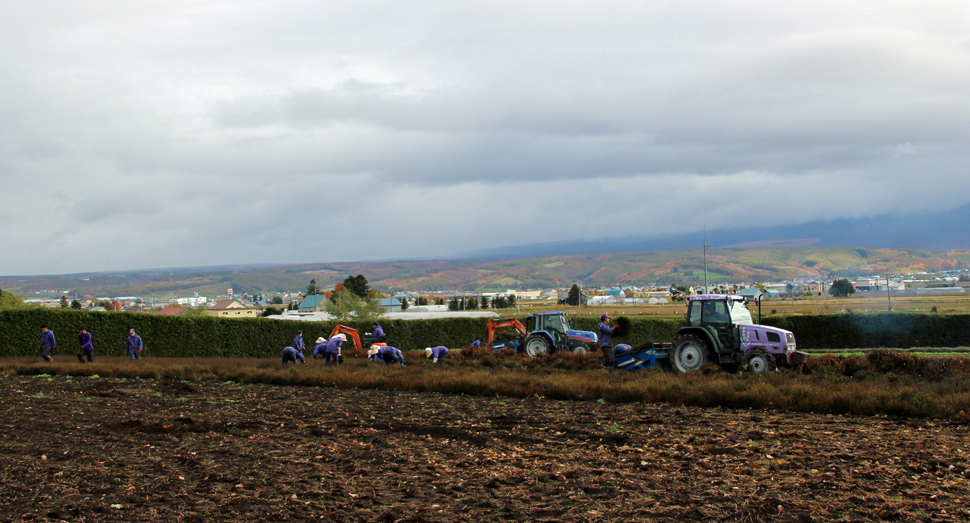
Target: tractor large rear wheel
(758, 361)
(688, 354)
(537, 346)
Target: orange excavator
(350, 332)
(520, 332)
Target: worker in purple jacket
(134, 345)
(47, 343)
(392, 355)
(298, 341)
(437, 353)
(333, 349)
(320, 348)
(291, 354)
(377, 336)
(606, 341)
(87, 348)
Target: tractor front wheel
(536, 346)
(688, 354)
(579, 349)
(758, 361)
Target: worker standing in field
(133, 345)
(47, 343)
(87, 348)
(333, 349)
(298, 341)
(320, 348)
(606, 341)
(437, 353)
(291, 354)
(377, 336)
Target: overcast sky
(167, 133)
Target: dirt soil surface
(93, 449)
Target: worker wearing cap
(377, 336)
(333, 349)
(438, 353)
(47, 343)
(320, 347)
(291, 354)
(133, 345)
(606, 341)
(87, 348)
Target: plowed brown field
(95, 449)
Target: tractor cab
(553, 323)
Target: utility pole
(889, 294)
(706, 290)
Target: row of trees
(470, 303)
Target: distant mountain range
(887, 244)
(930, 231)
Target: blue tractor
(543, 333)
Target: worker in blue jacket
(333, 349)
(87, 348)
(392, 355)
(437, 353)
(320, 348)
(298, 341)
(606, 341)
(377, 336)
(47, 343)
(133, 345)
(291, 354)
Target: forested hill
(625, 268)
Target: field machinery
(719, 329)
(542, 333)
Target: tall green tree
(511, 301)
(842, 287)
(357, 285)
(64, 303)
(312, 289)
(574, 295)
(75, 304)
(404, 303)
(345, 306)
(485, 302)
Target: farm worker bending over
(392, 355)
(438, 353)
(333, 349)
(374, 353)
(377, 336)
(291, 354)
(320, 347)
(477, 343)
(87, 348)
(134, 345)
(298, 341)
(606, 341)
(47, 343)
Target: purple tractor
(719, 329)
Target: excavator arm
(504, 322)
(349, 331)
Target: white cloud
(185, 133)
